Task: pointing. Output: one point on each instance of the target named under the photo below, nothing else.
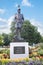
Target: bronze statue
(19, 19)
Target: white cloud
(5, 27)
(26, 3)
(16, 5)
(4, 20)
(10, 20)
(4, 31)
(2, 11)
(38, 24)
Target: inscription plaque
(19, 50)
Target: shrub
(40, 52)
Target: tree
(6, 39)
(12, 27)
(12, 30)
(42, 39)
(1, 40)
(29, 32)
(10, 36)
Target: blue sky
(31, 9)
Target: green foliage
(12, 30)
(40, 52)
(6, 39)
(7, 51)
(12, 27)
(41, 45)
(30, 33)
(10, 36)
(42, 39)
(1, 40)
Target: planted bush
(40, 52)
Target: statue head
(19, 10)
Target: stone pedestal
(19, 50)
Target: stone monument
(19, 19)
(18, 48)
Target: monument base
(19, 50)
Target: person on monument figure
(19, 19)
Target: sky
(31, 9)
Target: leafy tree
(12, 27)
(10, 37)
(1, 40)
(29, 32)
(41, 45)
(12, 30)
(42, 39)
(6, 39)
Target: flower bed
(27, 61)
(35, 56)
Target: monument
(18, 48)
(19, 19)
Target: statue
(19, 19)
